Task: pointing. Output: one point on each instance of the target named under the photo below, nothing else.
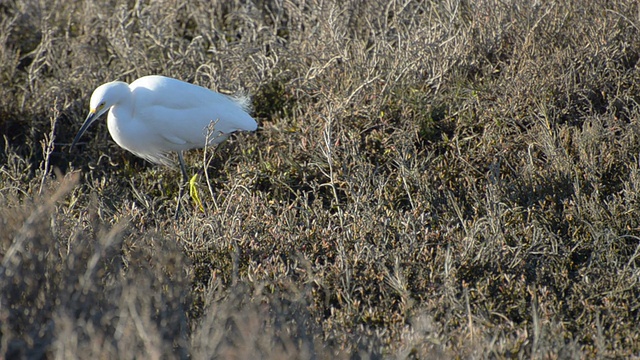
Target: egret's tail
(243, 100)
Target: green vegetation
(431, 179)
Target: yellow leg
(193, 191)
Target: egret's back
(175, 95)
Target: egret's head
(102, 99)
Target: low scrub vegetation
(430, 179)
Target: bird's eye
(101, 106)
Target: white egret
(155, 115)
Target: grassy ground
(431, 179)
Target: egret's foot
(193, 191)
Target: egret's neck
(121, 99)
(120, 93)
(121, 110)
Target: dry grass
(431, 179)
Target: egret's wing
(177, 140)
(179, 95)
(186, 128)
(181, 113)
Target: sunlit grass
(429, 180)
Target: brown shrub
(431, 179)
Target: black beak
(91, 118)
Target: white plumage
(155, 115)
